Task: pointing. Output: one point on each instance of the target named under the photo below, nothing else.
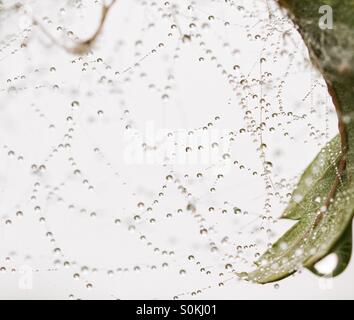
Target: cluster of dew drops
(212, 29)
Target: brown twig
(80, 47)
(84, 46)
(344, 149)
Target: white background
(138, 84)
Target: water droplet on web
(177, 184)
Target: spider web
(155, 165)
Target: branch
(80, 47)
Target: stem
(82, 46)
(344, 149)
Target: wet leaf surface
(323, 200)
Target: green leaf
(318, 168)
(323, 201)
(312, 238)
(343, 251)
